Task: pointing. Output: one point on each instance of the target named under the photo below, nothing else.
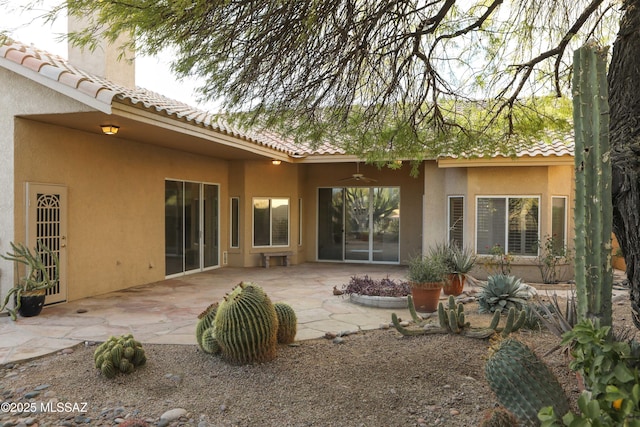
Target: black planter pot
(31, 305)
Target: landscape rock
(173, 414)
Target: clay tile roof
(58, 69)
(105, 92)
(559, 145)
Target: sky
(152, 73)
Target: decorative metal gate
(46, 225)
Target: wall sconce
(275, 162)
(109, 129)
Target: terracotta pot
(426, 297)
(454, 285)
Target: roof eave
(103, 104)
(553, 160)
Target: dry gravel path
(373, 378)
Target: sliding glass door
(360, 224)
(191, 226)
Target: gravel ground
(372, 378)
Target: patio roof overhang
(146, 127)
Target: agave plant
(501, 293)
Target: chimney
(103, 61)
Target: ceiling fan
(358, 176)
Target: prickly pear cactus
(523, 383)
(287, 323)
(246, 325)
(205, 321)
(498, 417)
(119, 354)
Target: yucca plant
(501, 293)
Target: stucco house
(177, 190)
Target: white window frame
(464, 214)
(253, 222)
(300, 222)
(231, 222)
(506, 220)
(565, 218)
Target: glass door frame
(200, 232)
(371, 190)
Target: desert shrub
(501, 293)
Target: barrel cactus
(119, 354)
(287, 323)
(523, 383)
(246, 325)
(205, 321)
(209, 342)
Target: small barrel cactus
(287, 323)
(119, 354)
(523, 383)
(205, 321)
(246, 325)
(209, 342)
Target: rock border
(378, 301)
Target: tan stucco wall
(115, 201)
(331, 175)
(262, 179)
(19, 96)
(542, 181)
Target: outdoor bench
(284, 255)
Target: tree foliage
(389, 79)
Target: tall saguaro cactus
(593, 204)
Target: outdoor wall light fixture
(275, 162)
(109, 129)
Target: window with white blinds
(456, 221)
(511, 223)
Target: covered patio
(166, 312)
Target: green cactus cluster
(522, 383)
(119, 354)
(287, 323)
(205, 336)
(498, 417)
(245, 327)
(451, 319)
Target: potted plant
(459, 263)
(426, 275)
(29, 292)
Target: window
(270, 222)
(235, 222)
(299, 222)
(456, 221)
(559, 223)
(508, 222)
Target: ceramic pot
(454, 285)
